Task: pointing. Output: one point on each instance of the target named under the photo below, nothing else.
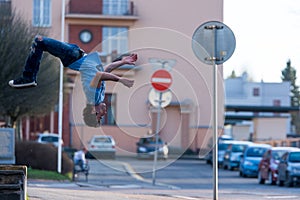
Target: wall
(241, 132)
(270, 128)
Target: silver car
(102, 146)
(289, 168)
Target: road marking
(135, 175)
(132, 186)
(131, 171)
(282, 197)
(184, 197)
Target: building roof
(233, 119)
(278, 109)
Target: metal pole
(215, 134)
(60, 103)
(217, 56)
(215, 118)
(156, 138)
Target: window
(276, 102)
(109, 118)
(255, 92)
(41, 13)
(294, 157)
(115, 7)
(115, 40)
(238, 148)
(256, 152)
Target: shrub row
(41, 156)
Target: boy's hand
(130, 60)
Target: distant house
(257, 110)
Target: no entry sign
(161, 80)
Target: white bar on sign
(161, 80)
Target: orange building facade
(160, 32)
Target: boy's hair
(88, 117)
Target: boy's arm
(114, 65)
(105, 76)
(127, 60)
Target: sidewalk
(114, 185)
(47, 190)
(55, 190)
(110, 182)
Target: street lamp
(60, 101)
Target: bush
(41, 156)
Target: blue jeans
(80, 163)
(67, 53)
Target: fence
(289, 142)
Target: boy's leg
(28, 79)
(68, 53)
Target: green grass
(47, 175)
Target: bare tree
(16, 38)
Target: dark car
(289, 168)
(222, 146)
(232, 155)
(251, 159)
(268, 166)
(146, 148)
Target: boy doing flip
(93, 74)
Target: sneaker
(22, 83)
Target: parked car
(289, 168)
(146, 148)
(222, 146)
(49, 138)
(232, 155)
(251, 158)
(101, 146)
(267, 169)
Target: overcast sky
(267, 35)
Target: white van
(49, 138)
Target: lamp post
(60, 101)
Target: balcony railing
(117, 8)
(104, 7)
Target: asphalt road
(129, 178)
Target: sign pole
(215, 51)
(156, 138)
(161, 80)
(215, 116)
(213, 60)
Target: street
(175, 179)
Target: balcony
(95, 10)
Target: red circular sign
(161, 80)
